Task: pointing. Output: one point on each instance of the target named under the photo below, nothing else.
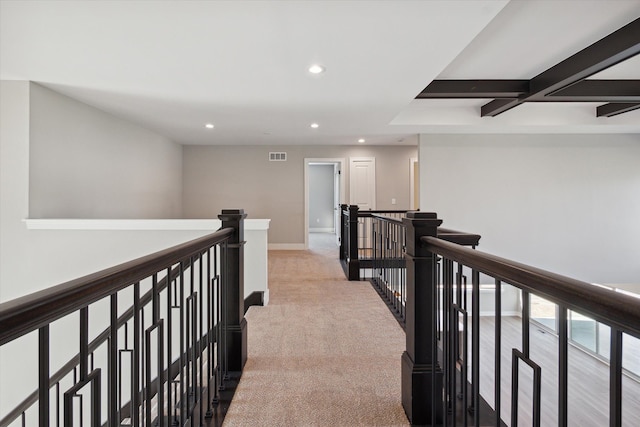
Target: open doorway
(324, 192)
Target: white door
(362, 192)
(362, 182)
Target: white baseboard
(322, 230)
(286, 246)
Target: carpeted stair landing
(324, 352)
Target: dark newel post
(352, 261)
(234, 298)
(421, 374)
(343, 236)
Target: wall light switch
(393, 201)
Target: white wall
(86, 163)
(32, 260)
(565, 203)
(218, 177)
(321, 183)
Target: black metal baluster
(159, 327)
(475, 346)
(202, 382)
(460, 358)
(159, 324)
(224, 316)
(445, 340)
(112, 360)
(458, 282)
(84, 343)
(43, 377)
(449, 343)
(216, 370)
(143, 367)
(526, 315)
(615, 379)
(135, 377)
(563, 381)
(183, 396)
(209, 342)
(58, 404)
(192, 316)
(120, 370)
(215, 302)
(171, 305)
(435, 333)
(498, 350)
(194, 341)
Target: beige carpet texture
(323, 352)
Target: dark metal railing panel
(596, 302)
(146, 374)
(387, 270)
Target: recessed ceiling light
(361, 140)
(316, 69)
(315, 125)
(209, 126)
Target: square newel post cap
(232, 214)
(422, 219)
(419, 224)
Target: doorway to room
(324, 192)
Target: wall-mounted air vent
(277, 156)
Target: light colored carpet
(324, 352)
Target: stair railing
(167, 359)
(449, 359)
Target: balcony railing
(174, 338)
(468, 365)
(475, 353)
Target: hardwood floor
(588, 379)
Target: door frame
(340, 161)
(412, 183)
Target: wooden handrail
(459, 237)
(379, 212)
(454, 236)
(30, 312)
(607, 306)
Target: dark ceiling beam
(582, 91)
(606, 52)
(598, 91)
(613, 109)
(474, 89)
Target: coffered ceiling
(174, 66)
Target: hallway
(325, 351)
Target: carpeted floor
(324, 352)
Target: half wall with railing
(161, 339)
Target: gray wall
(565, 203)
(217, 177)
(321, 183)
(86, 163)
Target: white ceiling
(173, 66)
